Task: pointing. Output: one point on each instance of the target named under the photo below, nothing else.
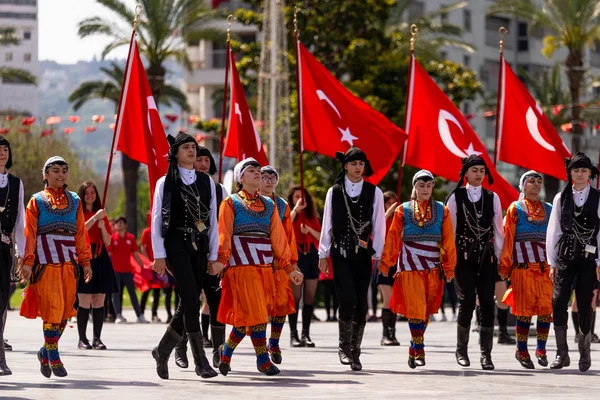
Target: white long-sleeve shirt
(554, 231)
(188, 177)
(474, 194)
(377, 220)
(19, 228)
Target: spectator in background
(146, 250)
(122, 247)
(91, 295)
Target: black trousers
(585, 271)
(212, 291)
(472, 281)
(5, 266)
(351, 281)
(189, 272)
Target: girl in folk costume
(477, 219)
(523, 259)
(283, 300)
(250, 236)
(572, 249)
(307, 231)
(92, 295)
(354, 234)
(56, 240)
(421, 243)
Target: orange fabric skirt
(247, 295)
(530, 291)
(417, 294)
(52, 297)
(283, 297)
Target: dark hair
(310, 210)
(81, 193)
(389, 195)
(121, 218)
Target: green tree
(13, 75)
(570, 24)
(163, 30)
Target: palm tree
(548, 91)
(163, 30)
(13, 75)
(434, 31)
(572, 24)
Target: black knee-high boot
(162, 352)
(503, 336)
(83, 315)
(98, 321)
(293, 321)
(203, 368)
(205, 320)
(575, 318)
(307, 312)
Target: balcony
(204, 77)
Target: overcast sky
(58, 39)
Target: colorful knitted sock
(61, 327)
(258, 335)
(51, 336)
(522, 331)
(235, 337)
(276, 328)
(417, 330)
(542, 329)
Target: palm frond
(15, 75)
(172, 94)
(113, 45)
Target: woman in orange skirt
(56, 240)
(283, 298)
(524, 260)
(250, 237)
(420, 242)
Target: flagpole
(299, 100)
(138, 12)
(503, 32)
(413, 34)
(230, 19)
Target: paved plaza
(127, 370)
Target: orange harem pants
(530, 291)
(417, 294)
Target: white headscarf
(523, 179)
(424, 175)
(241, 167)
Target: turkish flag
(139, 131)
(525, 135)
(439, 135)
(242, 138)
(333, 119)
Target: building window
(522, 37)
(492, 24)
(16, 15)
(467, 61)
(20, 2)
(219, 55)
(8, 57)
(27, 35)
(467, 20)
(27, 57)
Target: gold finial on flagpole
(230, 19)
(138, 12)
(414, 31)
(503, 32)
(296, 11)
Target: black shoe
(562, 349)
(276, 357)
(8, 347)
(218, 338)
(181, 359)
(358, 331)
(98, 345)
(486, 338)
(84, 345)
(295, 340)
(224, 367)
(462, 345)
(4, 370)
(504, 337)
(411, 362)
(525, 362)
(206, 343)
(270, 370)
(585, 347)
(162, 352)
(203, 368)
(60, 371)
(44, 369)
(345, 333)
(306, 339)
(595, 340)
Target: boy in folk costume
(56, 240)
(353, 233)
(184, 234)
(283, 301)
(250, 236)
(421, 242)
(477, 219)
(572, 250)
(523, 259)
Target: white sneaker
(142, 320)
(120, 319)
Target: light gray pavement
(127, 370)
